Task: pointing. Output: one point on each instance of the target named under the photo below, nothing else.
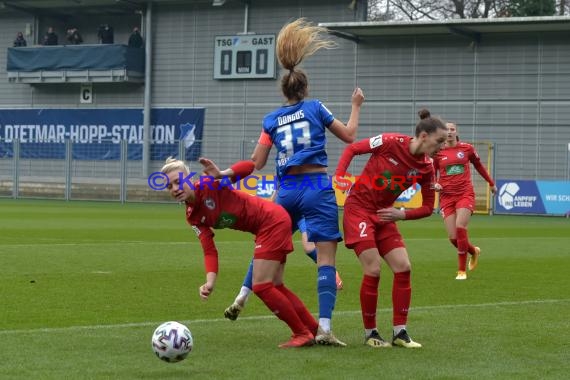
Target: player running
(456, 195)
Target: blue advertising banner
(533, 197)
(42, 132)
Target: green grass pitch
(83, 285)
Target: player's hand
(494, 189)
(205, 291)
(342, 183)
(357, 97)
(437, 187)
(390, 214)
(210, 168)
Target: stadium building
(206, 75)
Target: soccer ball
(507, 194)
(172, 342)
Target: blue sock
(313, 255)
(326, 287)
(248, 279)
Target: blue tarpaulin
(75, 57)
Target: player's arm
(261, 151)
(235, 172)
(206, 237)
(354, 149)
(428, 199)
(347, 133)
(436, 186)
(476, 161)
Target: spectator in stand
(50, 38)
(74, 37)
(20, 41)
(135, 39)
(106, 34)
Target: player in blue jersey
(298, 131)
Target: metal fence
(69, 177)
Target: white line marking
(418, 309)
(249, 242)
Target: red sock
(369, 300)
(462, 240)
(300, 309)
(280, 306)
(461, 261)
(401, 297)
(471, 247)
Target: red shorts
(274, 240)
(449, 203)
(363, 230)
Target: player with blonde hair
(212, 203)
(298, 131)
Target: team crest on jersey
(460, 155)
(209, 203)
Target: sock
(369, 300)
(313, 255)
(398, 328)
(326, 288)
(243, 295)
(471, 248)
(280, 306)
(325, 324)
(367, 332)
(462, 247)
(248, 279)
(300, 309)
(401, 297)
(461, 261)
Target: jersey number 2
(362, 226)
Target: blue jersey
(298, 133)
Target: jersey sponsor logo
(375, 141)
(225, 220)
(454, 169)
(196, 230)
(394, 162)
(460, 154)
(209, 203)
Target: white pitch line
(418, 309)
(13, 245)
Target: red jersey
(452, 167)
(218, 206)
(390, 170)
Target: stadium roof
(70, 7)
(472, 28)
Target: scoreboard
(247, 56)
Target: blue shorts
(311, 196)
(301, 225)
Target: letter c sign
(86, 93)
